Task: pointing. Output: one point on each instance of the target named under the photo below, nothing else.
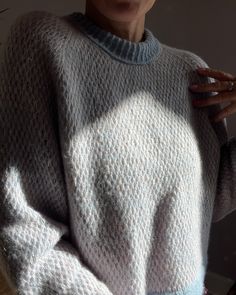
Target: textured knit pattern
(110, 178)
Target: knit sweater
(110, 178)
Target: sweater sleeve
(225, 198)
(36, 255)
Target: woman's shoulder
(190, 59)
(32, 20)
(37, 26)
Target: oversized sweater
(110, 178)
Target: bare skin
(124, 18)
(226, 88)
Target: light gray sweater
(110, 178)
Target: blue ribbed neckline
(121, 49)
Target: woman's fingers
(220, 98)
(213, 73)
(224, 113)
(211, 87)
(225, 87)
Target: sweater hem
(196, 288)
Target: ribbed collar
(119, 48)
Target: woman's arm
(225, 201)
(36, 255)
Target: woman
(108, 173)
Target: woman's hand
(226, 88)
